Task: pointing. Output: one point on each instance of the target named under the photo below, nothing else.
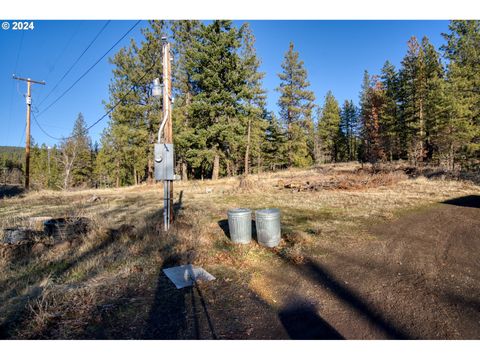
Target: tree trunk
(117, 180)
(184, 171)
(150, 170)
(66, 179)
(216, 167)
(135, 179)
(247, 150)
(229, 168)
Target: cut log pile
(356, 181)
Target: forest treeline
(427, 111)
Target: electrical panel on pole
(164, 154)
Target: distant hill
(11, 156)
(12, 150)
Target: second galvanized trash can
(240, 225)
(268, 227)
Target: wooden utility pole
(168, 132)
(27, 145)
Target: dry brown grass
(60, 291)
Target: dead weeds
(126, 247)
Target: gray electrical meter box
(164, 162)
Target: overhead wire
(13, 86)
(103, 116)
(60, 55)
(75, 62)
(88, 70)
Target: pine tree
(413, 98)
(107, 165)
(82, 167)
(75, 156)
(218, 86)
(254, 98)
(463, 90)
(390, 126)
(372, 107)
(349, 129)
(275, 148)
(435, 102)
(296, 105)
(44, 170)
(184, 34)
(134, 122)
(328, 129)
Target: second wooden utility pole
(27, 143)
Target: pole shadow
(472, 201)
(321, 275)
(167, 317)
(178, 205)
(302, 322)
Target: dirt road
(416, 277)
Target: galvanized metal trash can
(268, 227)
(240, 225)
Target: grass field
(108, 284)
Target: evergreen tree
(390, 126)
(44, 170)
(82, 168)
(349, 129)
(184, 34)
(296, 104)
(413, 98)
(219, 87)
(75, 156)
(463, 90)
(372, 107)
(135, 120)
(254, 99)
(435, 101)
(328, 129)
(275, 147)
(107, 164)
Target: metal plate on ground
(187, 275)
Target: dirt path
(417, 278)
(413, 278)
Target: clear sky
(335, 54)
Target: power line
(13, 86)
(42, 130)
(23, 135)
(64, 49)
(18, 53)
(103, 116)
(75, 63)
(88, 70)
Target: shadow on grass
(472, 201)
(54, 270)
(11, 191)
(167, 316)
(172, 308)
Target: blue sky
(335, 54)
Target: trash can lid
(272, 212)
(239, 210)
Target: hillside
(12, 152)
